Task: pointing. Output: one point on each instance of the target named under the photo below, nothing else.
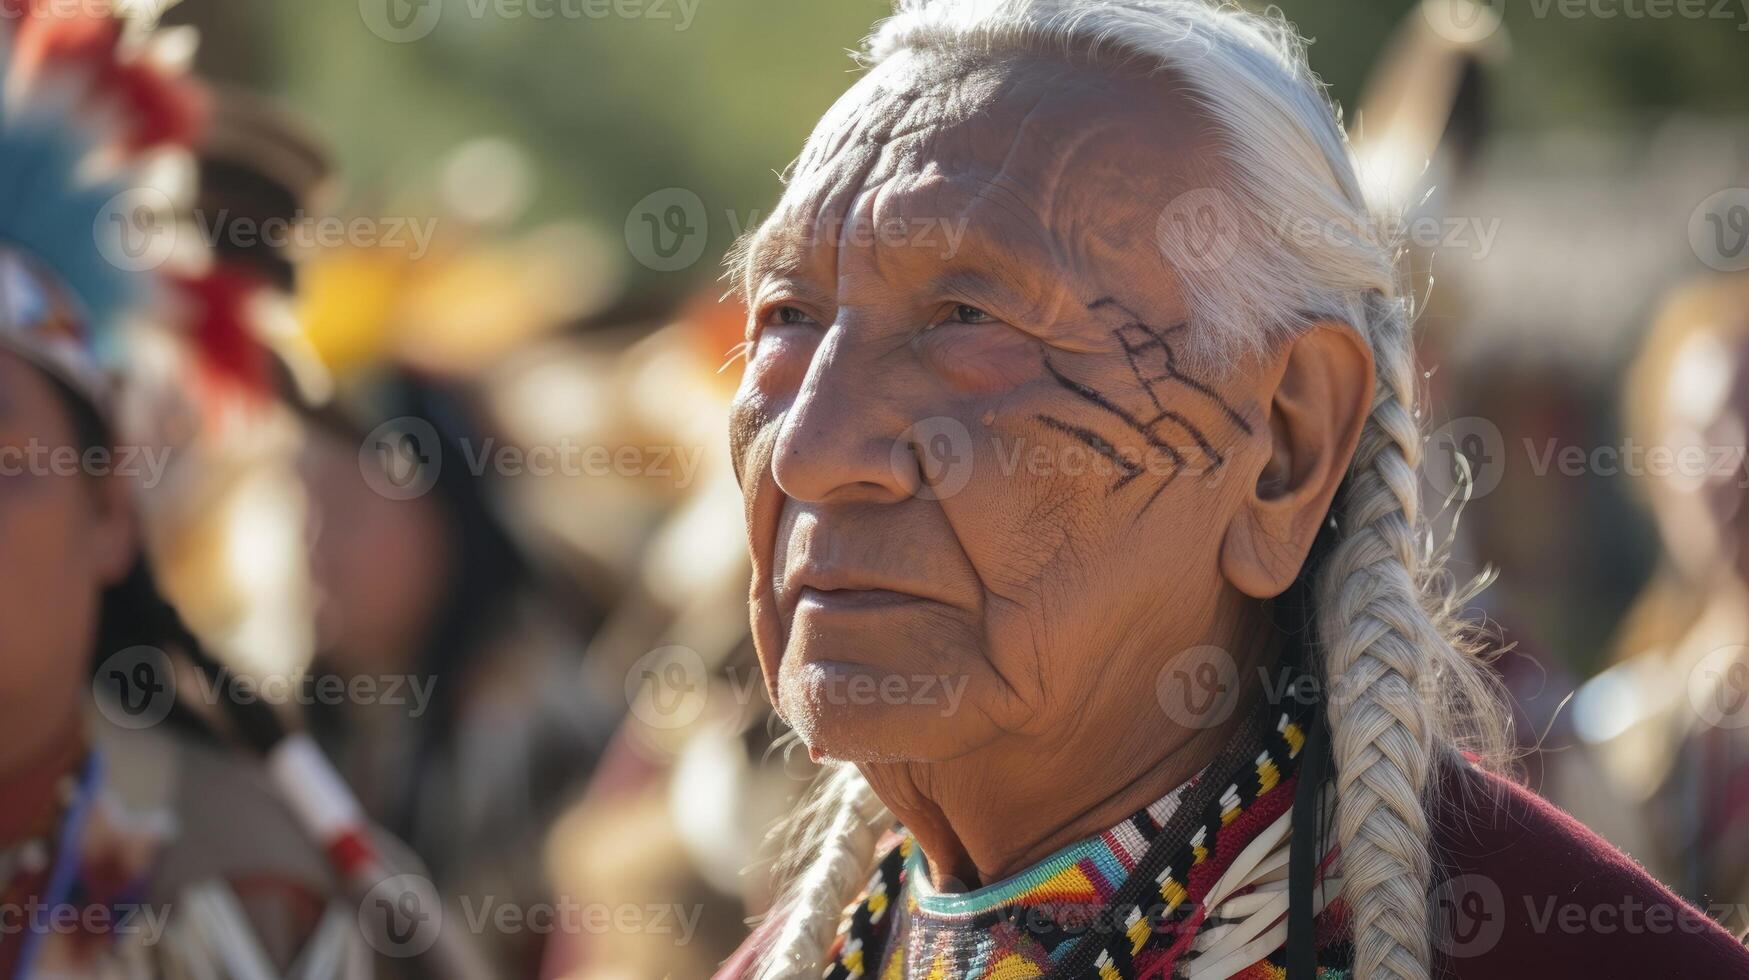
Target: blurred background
(529, 202)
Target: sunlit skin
(1052, 592)
(64, 538)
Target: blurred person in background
(134, 840)
(1670, 717)
(1255, 396)
(490, 722)
(677, 814)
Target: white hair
(1406, 687)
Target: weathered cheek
(746, 418)
(980, 360)
(774, 374)
(779, 360)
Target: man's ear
(114, 534)
(1323, 393)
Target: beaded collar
(1129, 902)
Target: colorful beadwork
(901, 928)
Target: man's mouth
(852, 600)
(836, 588)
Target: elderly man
(1079, 389)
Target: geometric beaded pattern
(900, 928)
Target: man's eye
(787, 315)
(969, 314)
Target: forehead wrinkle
(881, 128)
(1033, 201)
(899, 160)
(795, 238)
(1056, 177)
(999, 191)
(1005, 181)
(887, 116)
(848, 121)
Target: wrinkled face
(985, 489)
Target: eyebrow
(986, 269)
(771, 251)
(980, 280)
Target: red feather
(156, 108)
(229, 356)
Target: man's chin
(851, 743)
(856, 713)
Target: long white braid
(1376, 639)
(1401, 688)
(838, 827)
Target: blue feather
(49, 213)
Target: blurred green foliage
(612, 108)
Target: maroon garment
(744, 964)
(1524, 890)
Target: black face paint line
(1128, 468)
(1154, 363)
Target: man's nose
(845, 437)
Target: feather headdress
(81, 230)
